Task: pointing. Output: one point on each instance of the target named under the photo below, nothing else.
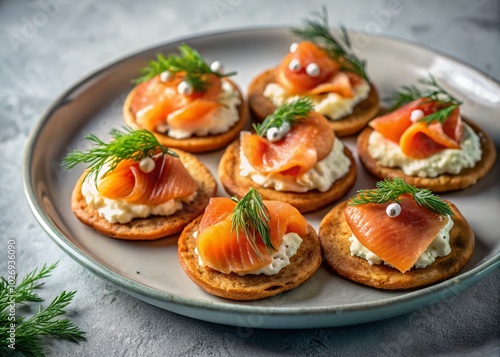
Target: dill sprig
(251, 217)
(317, 30)
(434, 92)
(189, 62)
(43, 323)
(128, 144)
(440, 115)
(291, 112)
(390, 190)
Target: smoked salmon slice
(168, 180)
(193, 116)
(399, 240)
(218, 245)
(307, 143)
(292, 73)
(298, 81)
(340, 83)
(419, 140)
(394, 124)
(154, 101)
(422, 140)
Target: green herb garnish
(43, 323)
(131, 144)
(251, 217)
(390, 190)
(291, 112)
(317, 30)
(434, 93)
(190, 62)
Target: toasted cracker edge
(249, 287)
(441, 183)
(334, 234)
(261, 107)
(153, 227)
(235, 184)
(196, 144)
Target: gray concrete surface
(47, 45)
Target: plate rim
(404, 303)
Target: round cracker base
(237, 185)
(249, 287)
(152, 227)
(334, 236)
(195, 144)
(363, 112)
(441, 183)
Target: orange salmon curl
(218, 244)
(419, 140)
(168, 180)
(155, 100)
(307, 143)
(399, 240)
(309, 70)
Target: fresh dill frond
(291, 112)
(129, 144)
(317, 30)
(24, 290)
(405, 95)
(251, 218)
(433, 92)
(189, 62)
(43, 323)
(440, 115)
(390, 190)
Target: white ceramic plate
(150, 270)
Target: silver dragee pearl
(416, 115)
(166, 76)
(216, 67)
(273, 134)
(146, 164)
(393, 210)
(312, 69)
(294, 65)
(284, 128)
(184, 88)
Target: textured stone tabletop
(47, 45)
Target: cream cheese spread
(320, 177)
(222, 118)
(281, 258)
(119, 211)
(451, 161)
(332, 105)
(439, 247)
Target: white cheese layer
(281, 258)
(222, 118)
(451, 161)
(331, 105)
(320, 177)
(119, 211)
(439, 247)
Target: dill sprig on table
(189, 62)
(390, 190)
(291, 112)
(251, 217)
(317, 30)
(434, 92)
(128, 144)
(43, 323)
